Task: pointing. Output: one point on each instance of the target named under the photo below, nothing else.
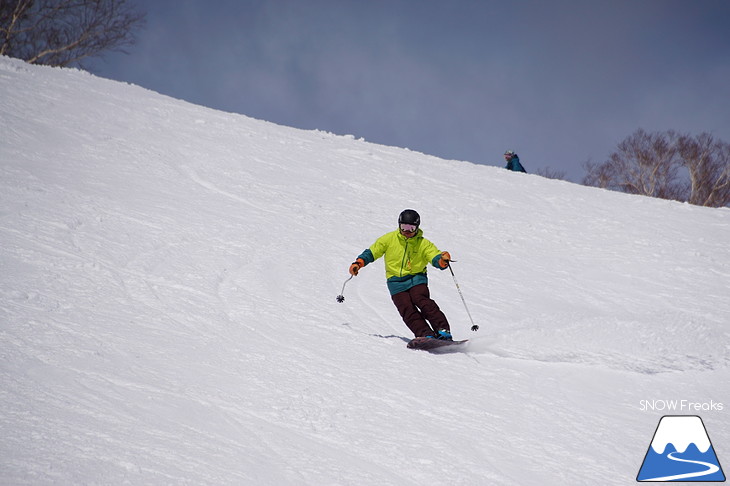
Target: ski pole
(474, 327)
(341, 298)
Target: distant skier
(513, 162)
(407, 254)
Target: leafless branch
(63, 32)
(654, 164)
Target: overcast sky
(560, 82)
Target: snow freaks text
(680, 406)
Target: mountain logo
(681, 451)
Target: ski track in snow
(167, 298)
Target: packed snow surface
(168, 276)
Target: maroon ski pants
(416, 307)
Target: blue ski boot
(444, 334)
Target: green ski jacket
(406, 259)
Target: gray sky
(560, 82)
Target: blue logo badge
(681, 451)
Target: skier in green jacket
(407, 254)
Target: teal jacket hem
(396, 285)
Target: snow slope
(168, 277)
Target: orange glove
(445, 259)
(356, 266)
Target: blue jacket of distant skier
(514, 164)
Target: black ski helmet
(409, 216)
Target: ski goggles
(408, 228)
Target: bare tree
(657, 165)
(708, 163)
(63, 32)
(550, 173)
